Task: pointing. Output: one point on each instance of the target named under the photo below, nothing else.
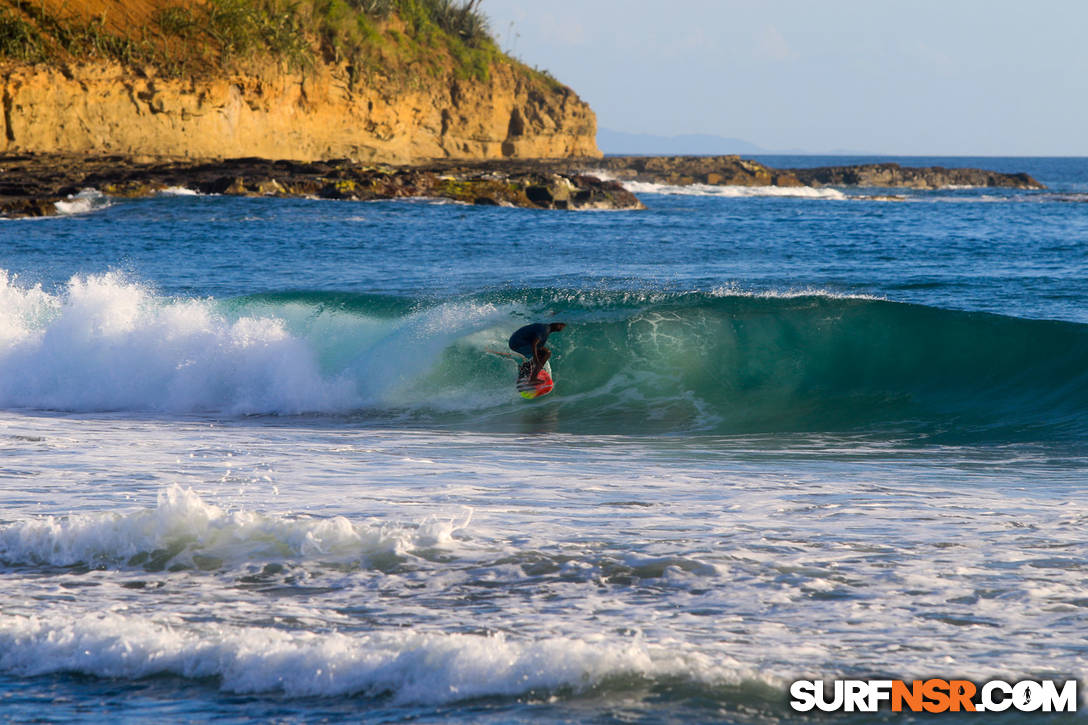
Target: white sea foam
(413, 668)
(178, 191)
(21, 310)
(803, 192)
(811, 565)
(730, 191)
(187, 527)
(103, 342)
(83, 202)
(106, 344)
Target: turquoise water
(256, 461)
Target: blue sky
(955, 77)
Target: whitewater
(256, 461)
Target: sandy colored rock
(103, 108)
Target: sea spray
(85, 201)
(105, 343)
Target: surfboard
(529, 389)
(543, 384)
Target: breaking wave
(85, 201)
(630, 363)
(185, 532)
(406, 667)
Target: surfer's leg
(545, 355)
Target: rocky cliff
(105, 108)
(396, 100)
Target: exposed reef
(894, 175)
(686, 170)
(31, 185)
(735, 171)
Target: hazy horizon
(759, 151)
(971, 79)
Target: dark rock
(687, 170)
(217, 186)
(30, 184)
(735, 171)
(538, 194)
(894, 175)
(593, 193)
(28, 207)
(339, 189)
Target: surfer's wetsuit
(522, 340)
(529, 342)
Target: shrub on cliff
(391, 38)
(18, 38)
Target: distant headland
(345, 99)
(391, 81)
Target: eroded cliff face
(103, 108)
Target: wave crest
(426, 668)
(183, 531)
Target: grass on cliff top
(19, 39)
(391, 40)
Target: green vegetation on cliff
(397, 40)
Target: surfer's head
(556, 326)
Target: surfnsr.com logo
(934, 695)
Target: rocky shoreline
(896, 176)
(32, 184)
(687, 170)
(735, 171)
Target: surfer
(529, 342)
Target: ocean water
(256, 462)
